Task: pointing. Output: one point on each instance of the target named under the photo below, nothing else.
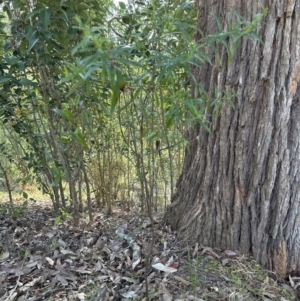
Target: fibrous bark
(239, 187)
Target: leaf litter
(106, 260)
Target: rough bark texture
(239, 188)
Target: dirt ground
(43, 257)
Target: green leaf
(56, 171)
(5, 79)
(32, 42)
(5, 9)
(74, 87)
(57, 175)
(121, 81)
(122, 5)
(115, 98)
(26, 179)
(11, 60)
(152, 136)
(88, 120)
(66, 114)
(45, 15)
(169, 122)
(25, 195)
(31, 34)
(65, 139)
(27, 82)
(19, 180)
(33, 13)
(57, 220)
(20, 65)
(57, 180)
(78, 136)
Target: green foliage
(150, 54)
(14, 210)
(108, 89)
(193, 266)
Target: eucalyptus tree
(239, 187)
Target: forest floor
(45, 258)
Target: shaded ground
(43, 258)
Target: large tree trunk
(239, 188)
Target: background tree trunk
(239, 188)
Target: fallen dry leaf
(159, 266)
